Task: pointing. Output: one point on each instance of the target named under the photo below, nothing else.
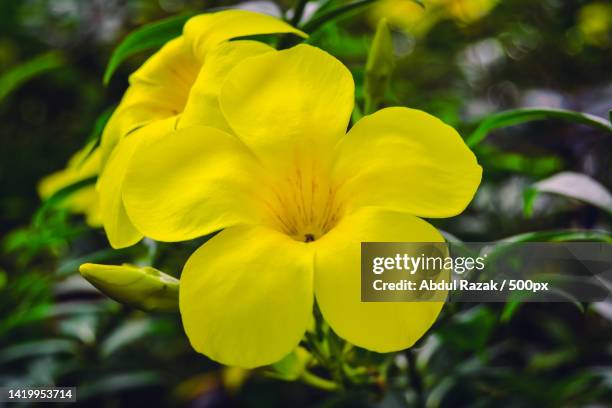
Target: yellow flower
(81, 165)
(417, 20)
(167, 91)
(294, 197)
(595, 23)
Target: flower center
(303, 204)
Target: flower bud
(144, 288)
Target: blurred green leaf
(119, 382)
(317, 21)
(127, 333)
(518, 116)
(529, 197)
(93, 140)
(492, 158)
(37, 348)
(571, 185)
(292, 366)
(147, 37)
(16, 76)
(559, 236)
(510, 309)
(3, 278)
(469, 330)
(378, 68)
(71, 265)
(551, 360)
(59, 196)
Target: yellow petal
(406, 160)
(286, 103)
(194, 182)
(207, 30)
(377, 326)
(158, 90)
(246, 296)
(203, 104)
(119, 229)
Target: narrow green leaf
(16, 76)
(298, 12)
(529, 197)
(492, 158)
(319, 20)
(510, 308)
(127, 333)
(518, 116)
(291, 367)
(149, 36)
(379, 68)
(37, 348)
(59, 196)
(563, 235)
(93, 140)
(577, 186)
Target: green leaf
(518, 116)
(576, 186)
(149, 36)
(468, 330)
(292, 366)
(510, 308)
(59, 196)
(378, 68)
(119, 383)
(529, 198)
(318, 21)
(495, 159)
(559, 236)
(93, 140)
(127, 333)
(16, 76)
(37, 348)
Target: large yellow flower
(294, 197)
(164, 94)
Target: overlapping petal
(158, 90)
(377, 326)
(207, 30)
(406, 160)
(202, 107)
(195, 182)
(119, 229)
(246, 296)
(289, 103)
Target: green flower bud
(144, 288)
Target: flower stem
(298, 12)
(415, 379)
(318, 382)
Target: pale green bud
(144, 288)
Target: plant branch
(298, 12)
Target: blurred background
(460, 60)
